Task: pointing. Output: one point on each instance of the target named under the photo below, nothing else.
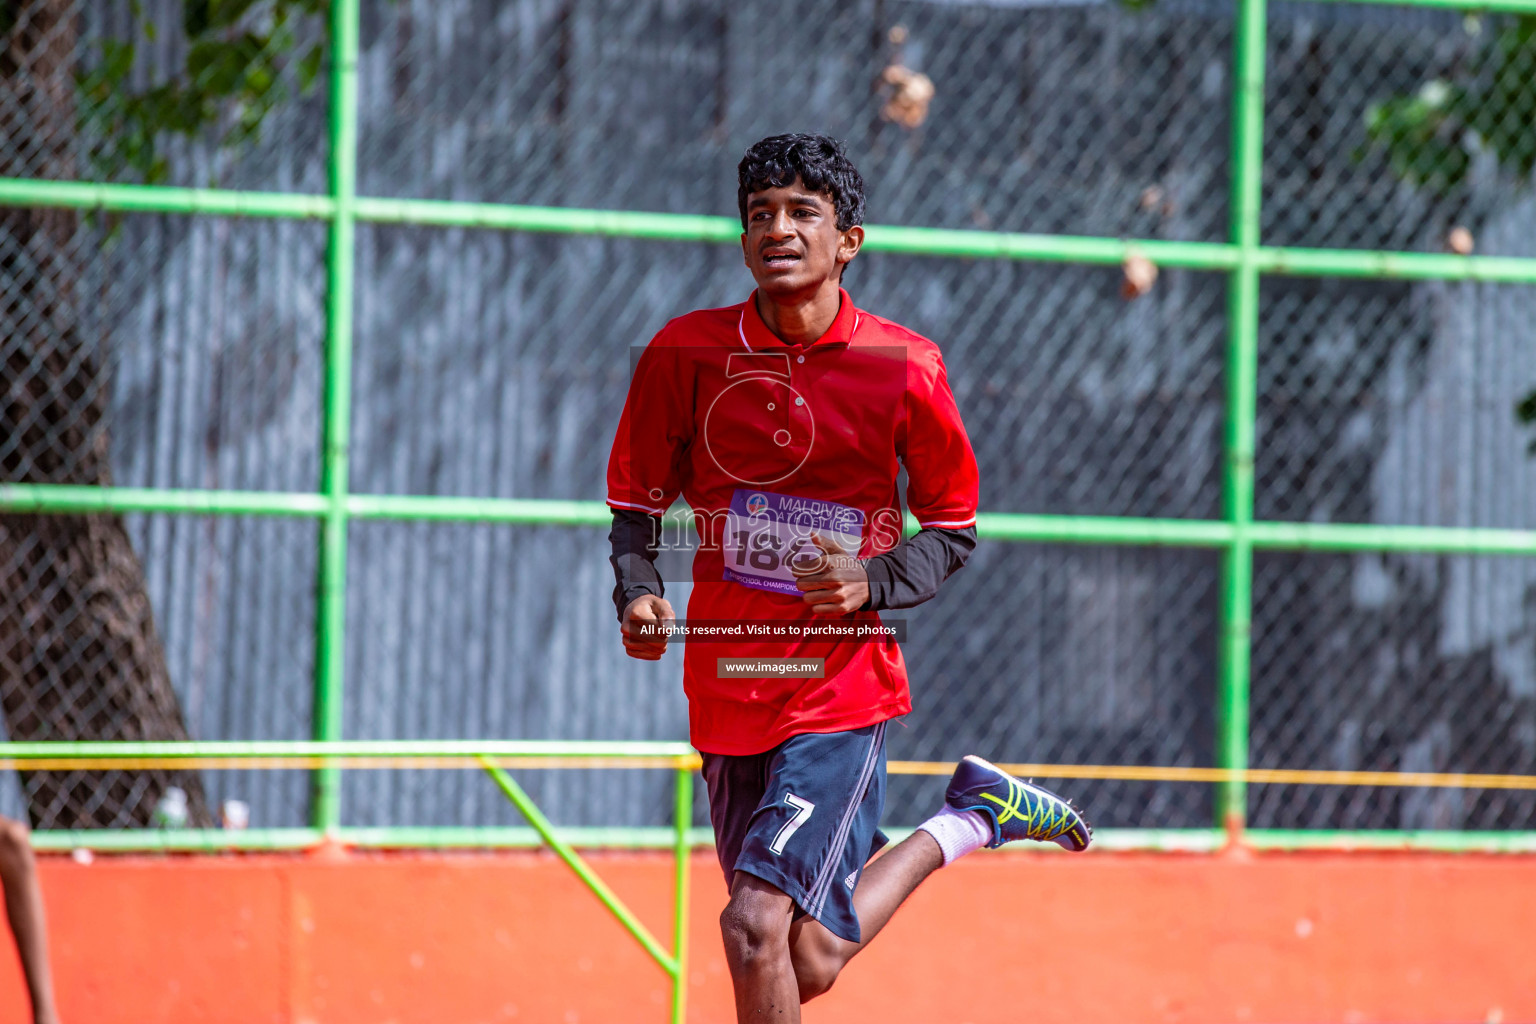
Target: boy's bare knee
(751, 930)
(815, 973)
(818, 957)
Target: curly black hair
(819, 162)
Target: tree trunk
(79, 655)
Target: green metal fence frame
(1243, 258)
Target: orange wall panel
(465, 938)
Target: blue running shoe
(1017, 809)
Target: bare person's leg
(818, 955)
(24, 908)
(755, 926)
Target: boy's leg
(755, 926)
(984, 806)
(819, 955)
(804, 898)
(799, 853)
(778, 960)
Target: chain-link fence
(1393, 662)
(187, 94)
(190, 353)
(1389, 129)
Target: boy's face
(792, 244)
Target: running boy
(783, 421)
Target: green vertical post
(565, 852)
(331, 604)
(1236, 592)
(682, 813)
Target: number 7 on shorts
(803, 809)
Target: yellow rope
(1291, 776)
(1114, 773)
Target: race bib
(765, 532)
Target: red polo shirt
(718, 404)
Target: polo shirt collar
(757, 337)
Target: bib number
(767, 533)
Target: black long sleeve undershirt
(912, 571)
(635, 538)
(903, 577)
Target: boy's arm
(635, 539)
(942, 489)
(912, 572)
(644, 478)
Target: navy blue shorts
(803, 817)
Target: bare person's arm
(24, 909)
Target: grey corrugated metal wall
(495, 364)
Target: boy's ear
(849, 245)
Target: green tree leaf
(1430, 138)
(242, 60)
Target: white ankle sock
(958, 832)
